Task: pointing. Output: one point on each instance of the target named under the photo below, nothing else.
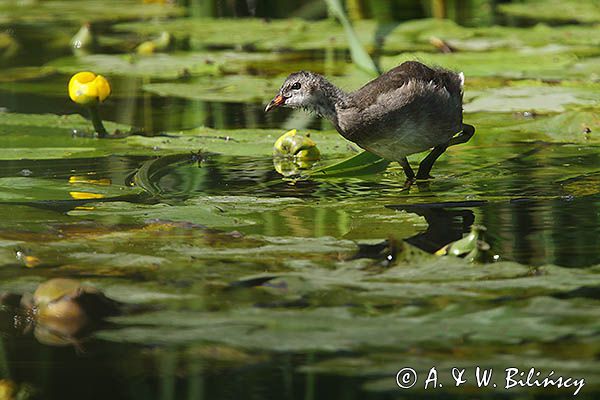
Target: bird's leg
(408, 171)
(463, 137)
(427, 163)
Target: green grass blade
(359, 55)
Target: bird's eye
(296, 86)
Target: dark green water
(235, 283)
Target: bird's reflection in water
(447, 222)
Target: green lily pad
(157, 65)
(12, 11)
(123, 212)
(254, 34)
(238, 142)
(538, 98)
(412, 35)
(49, 136)
(247, 88)
(28, 218)
(12, 75)
(417, 35)
(338, 329)
(566, 11)
(527, 63)
(575, 125)
(31, 136)
(588, 67)
(229, 88)
(232, 260)
(29, 189)
(161, 65)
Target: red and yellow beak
(276, 102)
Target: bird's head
(297, 91)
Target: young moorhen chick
(407, 110)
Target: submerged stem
(98, 125)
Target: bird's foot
(408, 183)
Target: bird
(409, 109)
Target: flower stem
(98, 125)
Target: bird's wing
(401, 75)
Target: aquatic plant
(89, 89)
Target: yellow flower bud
(88, 88)
(300, 147)
(293, 153)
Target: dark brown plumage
(409, 109)
(401, 75)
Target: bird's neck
(327, 100)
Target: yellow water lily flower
(87, 88)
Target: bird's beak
(276, 102)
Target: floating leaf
(566, 11)
(252, 33)
(84, 11)
(123, 212)
(537, 98)
(164, 66)
(575, 125)
(29, 189)
(362, 163)
(527, 63)
(229, 88)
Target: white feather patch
(462, 79)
